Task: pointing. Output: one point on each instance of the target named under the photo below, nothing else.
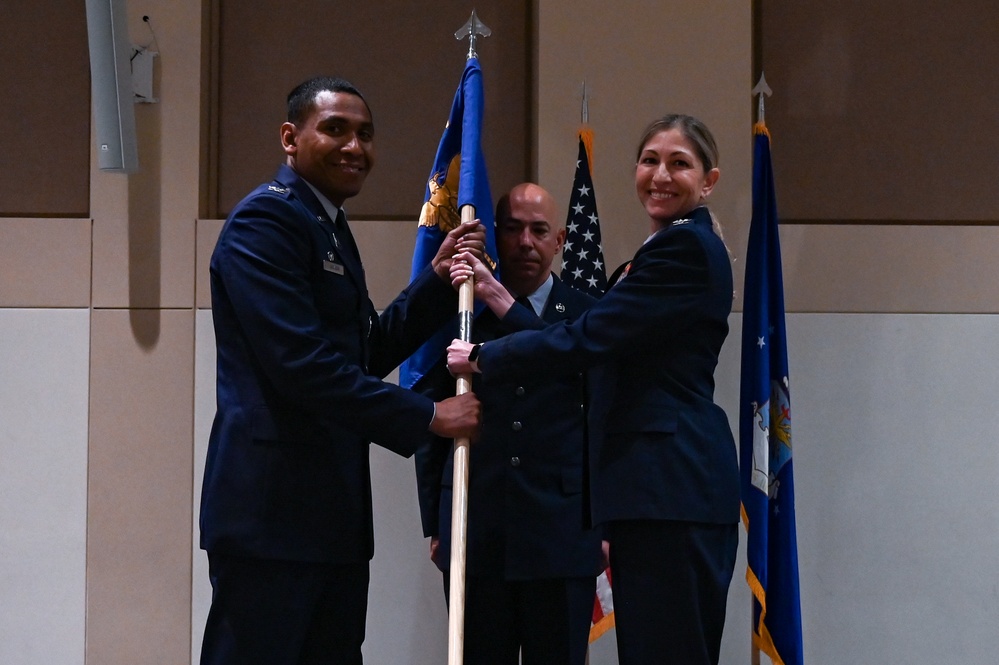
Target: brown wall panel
(405, 60)
(139, 487)
(44, 109)
(883, 111)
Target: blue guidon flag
(458, 178)
(765, 430)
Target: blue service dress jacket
(658, 445)
(300, 350)
(526, 518)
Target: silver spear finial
(472, 29)
(761, 89)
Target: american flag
(603, 607)
(583, 255)
(583, 269)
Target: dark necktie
(526, 302)
(345, 236)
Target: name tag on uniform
(330, 265)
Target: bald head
(528, 236)
(527, 194)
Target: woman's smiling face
(670, 178)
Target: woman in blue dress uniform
(663, 471)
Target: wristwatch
(473, 357)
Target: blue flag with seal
(766, 466)
(458, 178)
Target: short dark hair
(692, 129)
(302, 99)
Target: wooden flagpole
(459, 485)
(459, 481)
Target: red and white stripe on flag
(603, 606)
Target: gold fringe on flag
(598, 629)
(761, 634)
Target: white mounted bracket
(142, 74)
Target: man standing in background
(531, 566)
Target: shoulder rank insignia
(279, 190)
(681, 221)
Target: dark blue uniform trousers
(528, 622)
(670, 586)
(267, 612)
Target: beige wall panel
(387, 251)
(140, 460)
(144, 222)
(143, 254)
(207, 235)
(141, 260)
(641, 59)
(890, 268)
(45, 262)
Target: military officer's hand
(467, 237)
(457, 417)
